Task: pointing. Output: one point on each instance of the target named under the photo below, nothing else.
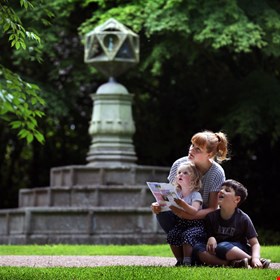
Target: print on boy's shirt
(229, 231)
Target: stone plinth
(121, 175)
(111, 127)
(86, 205)
(77, 225)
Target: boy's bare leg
(236, 254)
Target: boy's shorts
(222, 248)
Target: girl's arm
(212, 206)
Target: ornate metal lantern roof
(112, 48)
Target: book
(164, 194)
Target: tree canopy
(203, 65)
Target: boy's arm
(255, 245)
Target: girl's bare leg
(178, 253)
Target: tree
(20, 101)
(234, 39)
(203, 65)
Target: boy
(229, 230)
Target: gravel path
(89, 261)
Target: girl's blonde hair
(215, 143)
(195, 175)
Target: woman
(207, 151)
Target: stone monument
(112, 48)
(105, 201)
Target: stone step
(88, 175)
(87, 196)
(77, 225)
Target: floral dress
(188, 231)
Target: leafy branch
(20, 101)
(12, 25)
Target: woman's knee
(167, 220)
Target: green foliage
(12, 25)
(18, 102)
(227, 25)
(237, 26)
(19, 99)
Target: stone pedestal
(111, 127)
(86, 205)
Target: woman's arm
(212, 206)
(190, 209)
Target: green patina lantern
(112, 48)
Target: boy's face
(227, 197)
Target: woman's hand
(179, 212)
(181, 203)
(155, 208)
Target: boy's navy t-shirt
(239, 228)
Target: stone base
(123, 175)
(96, 225)
(105, 239)
(87, 205)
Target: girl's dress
(188, 231)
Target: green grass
(271, 252)
(127, 272)
(87, 250)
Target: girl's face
(198, 154)
(183, 177)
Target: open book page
(164, 194)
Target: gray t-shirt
(211, 180)
(193, 196)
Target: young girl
(187, 233)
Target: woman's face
(198, 154)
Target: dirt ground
(90, 261)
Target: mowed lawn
(127, 272)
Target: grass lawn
(127, 272)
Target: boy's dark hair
(238, 188)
